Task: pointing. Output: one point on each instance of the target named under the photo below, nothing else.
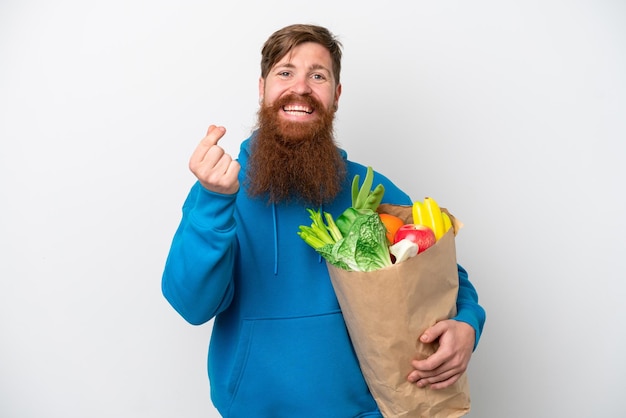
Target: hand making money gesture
(215, 169)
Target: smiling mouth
(297, 109)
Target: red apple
(422, 235)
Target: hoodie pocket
(298, 367)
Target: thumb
(434, 332)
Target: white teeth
(297, 109)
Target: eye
(284, 74)
(318, 77)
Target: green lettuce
(357, 241)
(363, 247)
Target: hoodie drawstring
(275, 240)
(321, 211)
(275, 219)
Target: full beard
(295, 161)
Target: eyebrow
(320, 67)
(312, 67)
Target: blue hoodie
(279, 345)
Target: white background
(511, 114)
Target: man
(279, 345)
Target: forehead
(308, 54)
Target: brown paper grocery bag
(387, 310)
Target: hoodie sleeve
(198, 276)
(468, 309)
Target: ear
(337, 94)
(261, 89)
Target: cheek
(272, 91)
(329, 102)
(271, 96)
(327, 97)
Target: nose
(301, 85)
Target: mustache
(307, 99)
